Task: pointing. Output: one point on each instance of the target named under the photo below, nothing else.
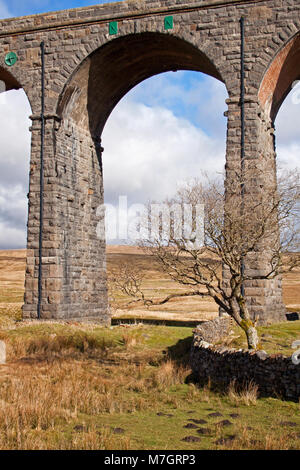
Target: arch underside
(114, 69)
(280, 76)
(10, 82)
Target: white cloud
(14, 139)
(287, 132)
(148, 151)
(13, 205)
(14, 167)
(287, 121)
(288, 156)
(11, 238)
(13, 214)
(192, 95)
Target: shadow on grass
(149, 321)
(180, 352)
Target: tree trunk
(247, 325)
(252, 336)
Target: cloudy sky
(169, 128)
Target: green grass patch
(166, 427)
(275, 339)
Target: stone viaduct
(92, 57)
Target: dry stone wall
(275, 375)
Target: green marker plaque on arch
(113, 28)
(11, 58)
(168, 22)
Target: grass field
(156, 285)
(72, 386)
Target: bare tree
(127, 280)
(238, 225)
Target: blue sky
(167, 129)
(32, 7)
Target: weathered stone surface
(87, 71)
(212, 331)
(2, 352)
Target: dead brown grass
(244, 440)
(51, 381)
(39, 397)
(169, 373)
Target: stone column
(264, 297)
(51, 241)
(73, 257)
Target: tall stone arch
(74, 265)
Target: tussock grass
(9, 315)
(169, 373)
(56, 374)
(131, 339)
(248, 395)
(37, 397)
(50, 345)
(246, 439)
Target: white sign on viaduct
(88, 59)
